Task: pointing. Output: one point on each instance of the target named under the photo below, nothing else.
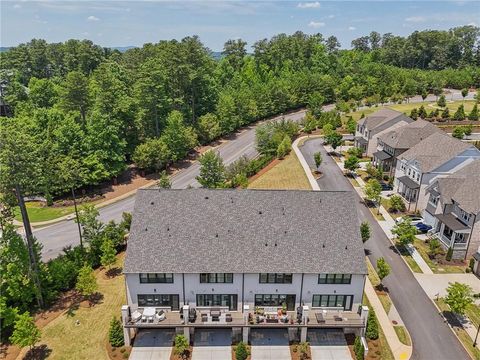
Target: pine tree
(241, 352)
(446, 114)
(459, 114)
(442, 102)
(474, 113)
(115, 333)
(365, 231)
(414, 114)
(372, 326)
(284, 148)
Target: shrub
(284, 148)
(396, 203)
(459, 114)
(358, 348)
(355, 151)
(365, 231)
(181, 345)
(446, 114)
(303, 349)
(474, 113)
(449, 255)
(241, 352)
(434, 248)
(471, 263)
(442, 102)
(458, 132)
(115, 333)
(372, 326)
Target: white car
(414, 219)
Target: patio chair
(136, 315)
(228, 317)
(192, 315)
(204, 317)
(215, 314)
(160, 316)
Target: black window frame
(156, 278)
(213, 278)
(336, 279)
(275, 278)
(216, 300)
(276, 300)
(332, 300)
(159, 300)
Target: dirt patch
(296, 355)
(118, 353)
(317, 174)
(264, 170)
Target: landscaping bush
(471, 263)
(115, 333)
(372, 326)
(358, 348)
(284, 148)
(396, 203)
(355, 151)
(181, 345)
(241, 352)
(449, 255)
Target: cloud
(351, 28)
(309, 5)
(92, 18)
(17, 6)
(416, 19)
(316, 24)
(331, 16)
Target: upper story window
(402, 166)
(465, 216)
(147, 278)
(433, 199)
(275, 278)
(334, 278)
(216, 278)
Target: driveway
(270, 344)
(328, 344)
(212, 344)
(431, 337)
(153, 345)
(436, 284)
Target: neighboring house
(453, 209)
(393, 143)
(236, 258)
(376, 124)
(438, 155)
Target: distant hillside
(123, 48)
(4, 48)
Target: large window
(334, 278)
(156, 278)
(343, 301)
(275, 278)
(229, 300)
(275, 300)
(158, 300)
(216, 278)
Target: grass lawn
(88, 339)
(473, 313)
(375, 280)
(386, 204)
(287, 174)
(461, 333)
(376, 214)
(382, 349)
(436, 267)
(408, 258)
(403, 335)
(37, 212)
(353, 181)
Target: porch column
(303, 330)
(186, 333)
(245, 329)
(364, 316)
(185, 311)
(127, 338)
(303, 334)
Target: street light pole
(76, 214)
(476, 336)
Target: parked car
(414, 219)
(423, 228)
(386, 187)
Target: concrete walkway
(305, 166)
(153, 344)
(212, 344)
(399, 350)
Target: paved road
(432, 339)
(55, 237)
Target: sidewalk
(306, 168)
(399, 350)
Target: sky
(132, 23)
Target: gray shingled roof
(245, 231)
(409, 135)
(381, 117)
(462, 186)
(435, 151)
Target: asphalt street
(431, 337)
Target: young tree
(303, 349)
(373, 189)
(442, 102)
(241, 351)
(405, 232)
(181, 346)
(372, 326)
(396, 203)
(327, 130)
(284, 147)
(424, 94)
(383, 269)
(108, 258)
(208, 128)
(414, 114)
(25, 332)
(474, 113)
(351, 125)
(464, 93)
(86, 281)
(164, 181)
(422, 113)
(351, 163)
(446, 114)
(355, 151)
(317, 157)
(334, 139)
(153, 154)
(458, 132)
(115, 333)
(459, 114)
(365, 231)
(459, 296)
(434, 248)
(212, 170)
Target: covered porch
(452, 233)
(408, 189)
(383, 159)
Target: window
(156, 278)
(275, 278)
(334, 278)
(158, 300)
(402, 166)
(343, 301)
(229, 300)
(275, 300)
(465, 216)
(433, 199)
(216, 278)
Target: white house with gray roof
(453, 209)
(244, 258)
(439, 155)
(374, 125)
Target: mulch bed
(249, 348)
(118, 353)
(295, 353)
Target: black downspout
(301, 290)
(418, 194)
(243, 291)
(183, 285)
(470, 236)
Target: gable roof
(244, 231)
(383, 116)
(409, 135)
(463, 187)
(434, 151)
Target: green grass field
(402, 335)
(375, 280)
(37, 212)
(436, 268)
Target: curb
(303, 162)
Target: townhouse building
(239, 259)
